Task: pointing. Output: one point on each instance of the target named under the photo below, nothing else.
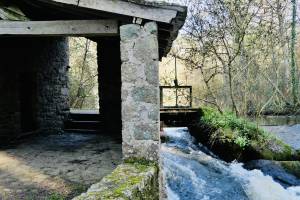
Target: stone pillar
(109, 79)
(140, 91)
(52, 83)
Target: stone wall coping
(128, 181)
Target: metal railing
(176, 97)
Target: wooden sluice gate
(179, 117)
(176, 104)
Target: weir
(192, 171)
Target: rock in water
(279, 170)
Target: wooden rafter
(153, 13)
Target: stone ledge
(130, 181)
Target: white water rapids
(193, 173)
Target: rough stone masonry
(33, 85)
(140, 91)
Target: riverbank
(233, 138)
(275, 120)
(287, 133)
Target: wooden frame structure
(176, 96)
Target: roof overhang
(169, 17)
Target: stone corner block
(129, 31)
(127, 181)
(151, 27)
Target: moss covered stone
(234, 138)
(293, 167)
(287, 173)
(129, 181)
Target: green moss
(56, 196)
(140, 161)
(292, 167)
(125, 182)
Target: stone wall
(33, 85)
(140, 91)
(9, 100)
(52, 84)
(128, 181)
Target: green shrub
(233, 138)
(243, 130)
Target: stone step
(85, 117)
(82, 131)
(86, 125)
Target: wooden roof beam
(148, 12)
(87, 28)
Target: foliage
(293, 59)
(240, 53)
(243, 130)
(56, 196)
(233, 138)
(83, 74)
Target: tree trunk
(293, 58)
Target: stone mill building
(132, 37)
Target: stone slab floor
(56, 167)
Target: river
(192, 172)
(286, 128)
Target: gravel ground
(55, 166)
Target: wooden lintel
(86, 28)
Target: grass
(240, 130)
(56, 196)
(234, 138)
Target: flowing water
(193, 173)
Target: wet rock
(284, 172)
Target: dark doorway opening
(28, 101)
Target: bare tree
(241, 49)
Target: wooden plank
(60, 28)
(149, 12)
(12, 13)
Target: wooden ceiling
(170, 17)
